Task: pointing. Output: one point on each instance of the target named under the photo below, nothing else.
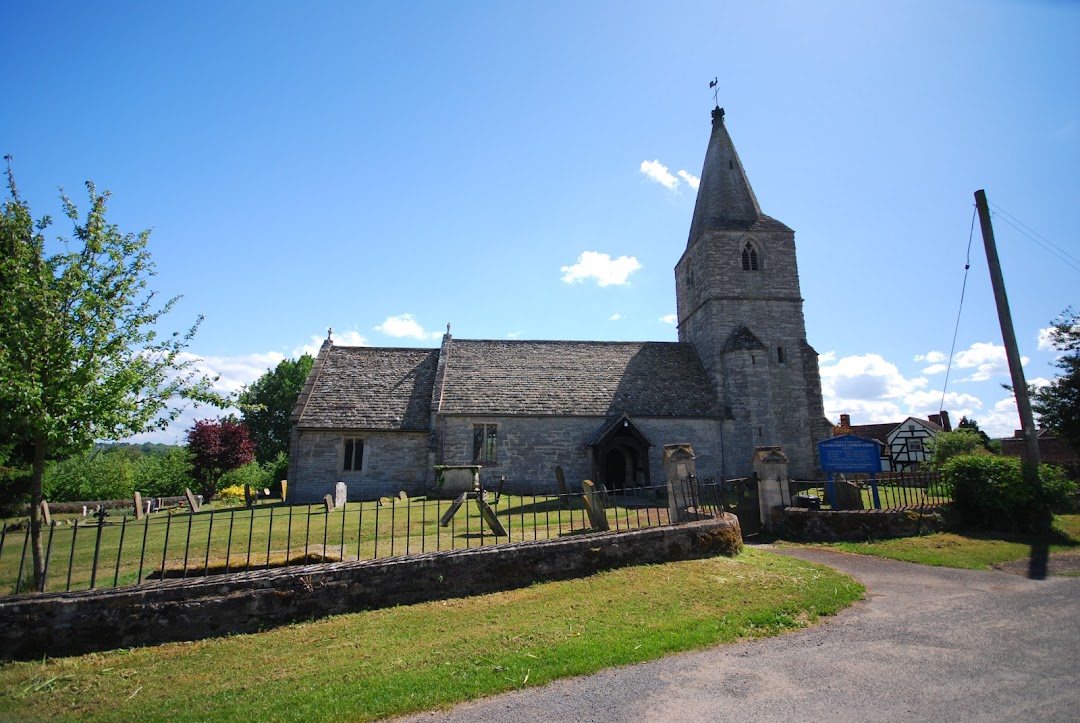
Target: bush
(100, 474)
(990, 492)
(251, 473)
(231, 495)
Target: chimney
(845, 420)
(936, 419)
(945, 423)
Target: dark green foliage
(990, 445)
(165, 474)
(114, 472)
(1058, 403)
(990, 492)
(268, 402)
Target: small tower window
(780, 354)
(731, 165)
(749, 257)
(689, 275)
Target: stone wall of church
(392, 461)
(529, 448)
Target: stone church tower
(740, 307)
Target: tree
(80, 356)
(267, 403)
(947, 445)
(218, 446)
(1058, 403)
(990, 445)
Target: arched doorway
(620, 455)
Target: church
(742, 375)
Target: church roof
(364, 387)
(577, 378)
(392, 389)
(725, 199)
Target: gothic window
(354, 455)
(780, 354)
(485, 437)
(689, 275)
(749, 257)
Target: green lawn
(220, 538)
(381, 663)
(972, 550)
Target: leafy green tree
(165, 474)
(954, 444)
(1058, 403)
(267, 403)
(99, 474)
(990, 445)
(80, 356)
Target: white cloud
(691, 180)
(1045, 342)
(868, 377)
(606, 271)
(931, 356)
(935, 369)
(405, 326)
(514, 334)
(658, 172)
(827, 358)
(668, 319)
(987, 359)
(615, 317)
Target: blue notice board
(850, 454)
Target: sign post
(849, 453)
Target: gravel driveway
(926, 644)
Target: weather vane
(714, 85)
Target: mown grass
(369, 665)
(970, 550)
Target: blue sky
(387, 168)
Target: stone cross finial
(448, 327)
(330, 333)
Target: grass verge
(370, 665)
(971, 550)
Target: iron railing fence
(93, 553)
(896, 491)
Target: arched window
(689, 275)
(749, 257)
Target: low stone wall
(58, 624)
(855, 525)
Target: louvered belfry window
(749, 257)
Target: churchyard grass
(370, 665)
(971, 550)
(223, 539)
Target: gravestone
(680, 470)
(770, 466)
(492, 521)
(449, 514)
(564, 491)
(403, 496)
(45, 515)
(139, 514)
(594, 506)
(328, 501)
(248, 501)
(192, 504)
(848, 495)
(341, 495)
(283, 485)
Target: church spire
(725, 199)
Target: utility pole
(1023, 403)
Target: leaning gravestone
(564, 492)
(341, 494)
(679, 469)
(192, 504)
(449, 514)
(138, 506)
(328, 501)
(45, 514)
(594, 506)
(492, 521)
